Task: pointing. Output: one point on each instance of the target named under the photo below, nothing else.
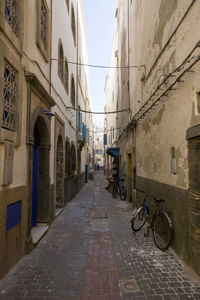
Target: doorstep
(58, 211)
(38, 232)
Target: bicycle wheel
(139, 220)
(114, 191)
(162, 231)
(123, 193)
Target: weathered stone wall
(162, 164)
(162, 41)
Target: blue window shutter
(13, 215)
(82, 129)
(85, 132)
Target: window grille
(11, 15)
(44, 25)
(9, 98)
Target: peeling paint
(146, 127)
(156, 120)
(171, 63)
(164, 17)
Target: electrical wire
(108, 130)
(98, 66)
(98, 113)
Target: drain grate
(129, 285)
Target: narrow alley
(90, 252)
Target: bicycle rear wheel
(162, 231)
(114, 191)
(123, 193)
(139, 220)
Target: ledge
(38, 232)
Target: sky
(99, 19)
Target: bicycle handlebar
(146, 195)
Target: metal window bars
(44, 25)
(12, 15)
(9, 98)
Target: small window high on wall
(73, 24)
(66, 81)
(60, 61)
(72, 91)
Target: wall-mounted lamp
(48, 113)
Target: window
(99, 151)
(72, 91)
(9, 121)
(12, 14)
(67, 3)
(73, 159)
(44, 25)
(73, 24)
(66, 83)
(60, 62)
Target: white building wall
(61, 30)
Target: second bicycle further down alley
(91, 253)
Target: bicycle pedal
(146, 234)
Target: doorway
(59, 174)
(40, 174)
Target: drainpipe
(128, 60)
(76, 103)
(50, 45)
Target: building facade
(38, 131)
(159, 145)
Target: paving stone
(90, 249)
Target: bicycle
(119, 189)
(160, 223)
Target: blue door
(35, 186)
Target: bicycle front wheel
(162, 231)
(139, 220)
(123, 193)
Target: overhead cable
(97, 112)
(98, 66)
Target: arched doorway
(59, 174)
(40, 178)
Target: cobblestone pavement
(91, 253)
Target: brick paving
(90, 252)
